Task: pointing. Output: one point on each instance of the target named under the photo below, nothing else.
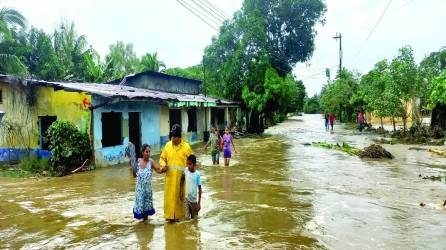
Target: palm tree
(151, 62)
(10, 18)
(71, 49)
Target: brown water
(277, 194)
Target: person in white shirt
(193, 183)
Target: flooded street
(277, 193)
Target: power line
(213, 10)
(402, 6)
(204, 14)
(224, 15)
(373, 29)
(202, 17)
(218, 19)
(197, 15)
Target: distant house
(112, 114)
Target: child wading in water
(142, 169)
(193, 183)
(227, 140)
(215, 141)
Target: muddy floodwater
(277, 193)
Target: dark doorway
(218, 117)
(192, 119)
(111, 129)
(44, 123)
(135, 129)
(174, 117)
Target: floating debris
(433, 177)
(418, 149)
(375, 151)
(372, 151)
(345, 147)
(438, 151)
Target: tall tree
(150, 61)
(70, 49)
(405, 82)
(9, 18)
(430, 67)
(193, 72)
(122, 60)
(263, 41)
(336, 97)
(373, 90)
(42, 60)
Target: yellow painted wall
(388, 120)
(164, 120)
(65, 105)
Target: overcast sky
(179, 37)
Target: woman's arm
(133, 170)
(163, 160)
(135, 167)
(155, 166)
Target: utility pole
(204, 76)
(340, 50)
(206, 136)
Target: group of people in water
(330, 118)
(329, 121)
(220, 144)
(182, 185)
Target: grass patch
(15, 172)
(27, 167)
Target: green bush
(34, 164)
(69, 147)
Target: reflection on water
(277, 193)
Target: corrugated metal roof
(154, 74)
(110, 90)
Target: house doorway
(44, 123)
(135, 130)
(174, 117)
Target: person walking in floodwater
(228, 142)
(332, 119)
(360, 121)
(142, 170)
(193, 183)
(173, 159)
(327, 126)
(215, 140)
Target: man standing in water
(360, 121)
(332, 118)
(174, 158)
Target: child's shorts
(191, 209)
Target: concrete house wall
(24, 116)
(150, 114)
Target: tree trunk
(404, 123)
(393, 122)
(382, 123)
(254, 123)
(340, 113)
